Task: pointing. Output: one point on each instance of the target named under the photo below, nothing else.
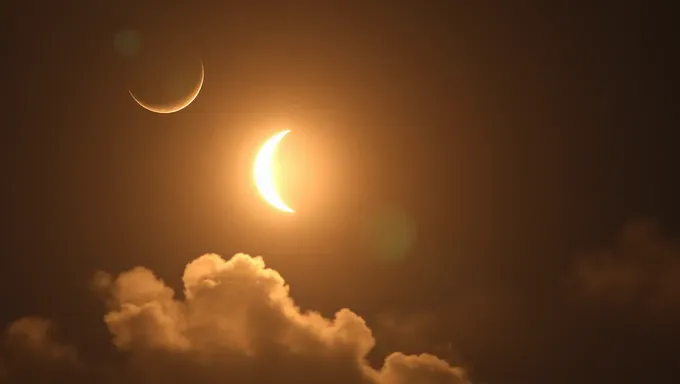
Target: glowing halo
(264, 175)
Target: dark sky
(533, 148)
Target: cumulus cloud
(237, 322)
(640, 270)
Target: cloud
(33, 354)
(640, 270)
(237, 322)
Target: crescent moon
(264, 175)
(176, 107)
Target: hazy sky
(481, 193)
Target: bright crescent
(264, 175)
(177, 107)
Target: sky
(482, 194)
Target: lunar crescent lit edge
(264, 175)
(179, 106)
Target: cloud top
(641, 270)
(237, 321)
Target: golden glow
(179, 105)
(263, 172)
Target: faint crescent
(177, 107)
(264, 175)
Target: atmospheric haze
(236, 323)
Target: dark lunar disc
(165, 75)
